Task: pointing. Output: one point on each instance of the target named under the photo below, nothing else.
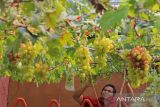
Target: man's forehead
(108, 87)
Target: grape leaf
(112, 18)
(55, 49)
(157, 23)
(52, 17)
(149, 3)
(28, 7)
(2, 5)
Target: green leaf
(9, 43)
(2, 5)
(3, 26)
(59, 8)
(128, 46)
(156, 52)
(35, 20)
(149, 3)
(70, 51)
(144, 16)
(156, 7)
(17, 43)
(55, 50)
(157, 23)
(112, 18)
(28, 7)
(116, 63)
(51, 18)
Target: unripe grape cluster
(27, 52)
(138, 67)
(24, 60)
(41, 70)
(102, 47)
(27, 72)
(83, 59)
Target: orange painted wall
(40, 96)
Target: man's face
(107, 92)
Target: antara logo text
(131, 99)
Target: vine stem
(96, 95)
(4, 20)
(122, 87)
(53, 68)
(94, 89)
(124, 77)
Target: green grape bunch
(27, 72)
(41, 70)
(83, 59)
(24, 60)
(28, 52)
(102, 47)
(138, 68)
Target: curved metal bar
(54, 101)
(86, 101)
(22, 101)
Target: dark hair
(110, 85)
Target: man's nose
(106, 92)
